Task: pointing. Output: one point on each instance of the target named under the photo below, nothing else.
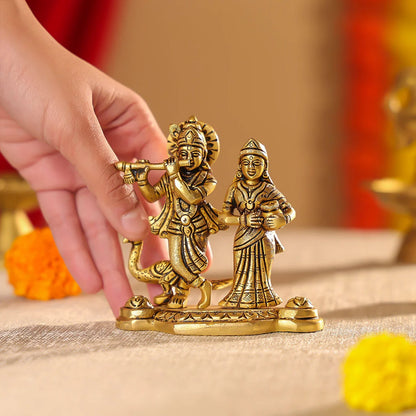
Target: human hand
(63, 124)
(172, 166)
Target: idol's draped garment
(192, 223)
(254, 248)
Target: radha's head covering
(254, 147)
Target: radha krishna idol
(253, 203)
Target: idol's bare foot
(206, 289)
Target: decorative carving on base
(298, 315)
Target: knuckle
(115, 189)
(96, 229)
(64, 125)
(91, 286)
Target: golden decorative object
(395, 194)
(218, 320)
(401, 105)
(16, 197)
(252, 203)
(400, 198)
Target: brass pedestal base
(399, 198)
(298, 315)
(407, 251)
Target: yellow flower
(36, 269)
(380, 374)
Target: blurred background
(306, 78)
(269, 70)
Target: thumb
(93, 158)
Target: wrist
(13, 13)
(173, 176)
(243, 220)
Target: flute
(128, 167)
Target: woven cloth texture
(66, 357)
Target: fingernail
(134, 222)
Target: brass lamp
(395, 194)
(16, 197)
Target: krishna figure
(186, 220)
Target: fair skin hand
(63, 124)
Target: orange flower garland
(36, 269)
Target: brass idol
(253, 204)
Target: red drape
(367, 81)
(82, 26)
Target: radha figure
(261, 209)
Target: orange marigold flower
(36, 269)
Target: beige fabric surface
(66, 357)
